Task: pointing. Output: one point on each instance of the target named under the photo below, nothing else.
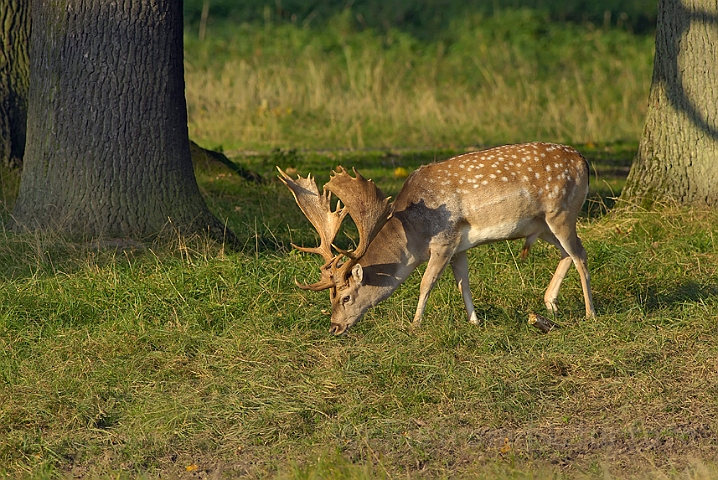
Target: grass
(422, 18)
(187, 360)
(511, 77)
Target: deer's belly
(472, 235)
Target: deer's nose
(337, 329)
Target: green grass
(185, 359)
(424, 18)
(510, 77)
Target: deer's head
(341, 273)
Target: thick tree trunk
(14, 78)
(107, 143)
(678, 155)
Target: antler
(367, 205)
(317, 209)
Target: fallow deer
(530, 191)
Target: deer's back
(501, 192)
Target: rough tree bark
(677, 157)
(107, 143)
(14, 78)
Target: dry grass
(282, 87)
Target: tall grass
(423, 18)
(506, 78)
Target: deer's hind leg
(551, 296)
(563, 235)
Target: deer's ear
(358, 273)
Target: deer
(530, 191)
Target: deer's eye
(345, 299)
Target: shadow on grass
(265, 217)
(655, 297)
(609, 165)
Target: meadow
(511, 77)
(190, 360)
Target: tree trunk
(107, 142)
(14, 67)
(677, 157)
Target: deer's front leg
(460, 266)
(437, 263)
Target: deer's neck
(389, 260)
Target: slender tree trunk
(14, 78)
(678, 154)
(107, 142)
